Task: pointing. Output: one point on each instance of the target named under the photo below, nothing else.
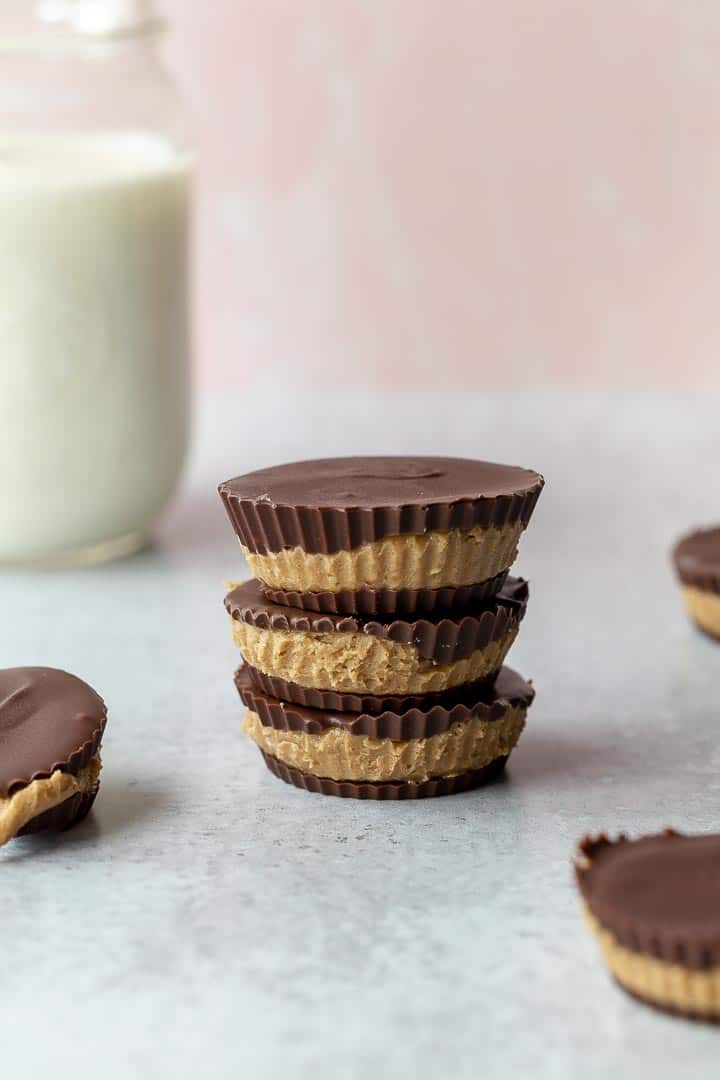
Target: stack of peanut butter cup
(376, 627)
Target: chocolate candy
(51, 727)
(421, 721)
(654, 904)
(337, 504)
(443, 639)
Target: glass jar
(94, 206)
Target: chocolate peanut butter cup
(51, 728)
(654, 906)
(435, 745)
(364, 529)
(353, 655)
(697, 561)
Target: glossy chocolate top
(48, 720)
(658, 895)
(381, 481)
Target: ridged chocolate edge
(264, 527)
(444, 640)
(389, 791)
(312, 698)
(706, 582)
(631, 934)
(390, 601)
(400, 727)
(64, 816)
(72, 765)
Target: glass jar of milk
(94, 194)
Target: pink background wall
(466, 192)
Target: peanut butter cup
(654, 906)
(51, 727)
(381, 535)
(347, 654)
(697, 561)
(448, 746)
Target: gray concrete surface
(210, 921)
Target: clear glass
(94, 338)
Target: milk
(93, 340)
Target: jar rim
(68, 40)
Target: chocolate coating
(444, 639)
(337, 504)
(658, 895)
(389, 791)
(65, 816)
(697, 559)
(49, 720)
(272, 686)
(487, 703)
(382, 603)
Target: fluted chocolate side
(490, 703)
(385, 791)
(385, 602)
(443, 640)
(339, 504)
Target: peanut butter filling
(430, 560)
(339, 755)
(360, 663)
(671, 986)
(704, 608)
(29, 802)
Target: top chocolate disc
(49, 720)
(338, 504)
(697, 558)
(659, 895)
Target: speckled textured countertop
(209, 920)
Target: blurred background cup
(94, 205)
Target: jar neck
(56, 79)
